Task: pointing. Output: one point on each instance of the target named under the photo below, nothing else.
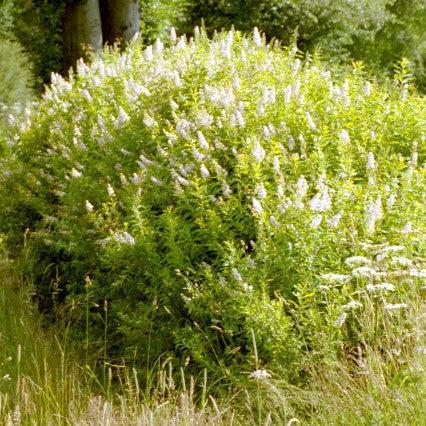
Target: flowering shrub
(222, 203)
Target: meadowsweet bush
(223, 204)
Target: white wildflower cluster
(364, 271)
(124, 238)
(341, 319)
(333, 221)
(89, 207)
(316, 221)
(356, 261)
(226, 45)
(387, 251)
(395, 306)
(408, 228)
(310, 121)
(258, 152)
(236, 275)
(371, 169)
(321, 202)
(121, 118)
(110, 191)
(367, 88)
(183, 128)
(374, 212)
(413, 161)
(260, 374)
(221, 97)
(257, 38)
(344, 136)
(256, 206)
(261, 191)
(353, 304)
(75, 173)
(335, 277)
(379, 287)
(301, 187)
(204, 171)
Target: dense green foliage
(223, 204)
(37, 27)
(378, 32)
(14, 74)
(404, 34)
(5, 17)
(329, 23)
(15, 80)
(158, 16)
(43, 380)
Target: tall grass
(43, 380)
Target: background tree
(120, 19)
(56, 33)
(82, 29)
(88, 24)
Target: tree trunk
(82, 30)
(120, 20)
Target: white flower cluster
(260, 374)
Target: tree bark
(82, 30)
(120, 20)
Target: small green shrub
(223, 204)
(15, 80)
(14, 74)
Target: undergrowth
(44, 381)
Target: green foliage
(14, 74)
(43, 379)
(6, 7)
(328, 23)
(37, 27)
(403, 35)
(213, 195)
(15, 78)
(159, 15)
(378, 32)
